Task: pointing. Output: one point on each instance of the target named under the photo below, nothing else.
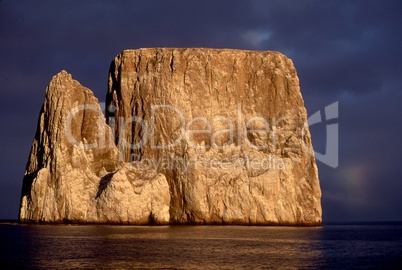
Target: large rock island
(189, 136)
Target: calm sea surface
(200, 247)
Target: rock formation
(73, 173)
(200, 136)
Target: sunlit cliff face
(226, 127)
(196, 136)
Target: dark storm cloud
(344, 51)
(367, 181)
(348, 38)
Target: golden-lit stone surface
(200, 136)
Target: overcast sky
(344, 51)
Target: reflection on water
(200, 247)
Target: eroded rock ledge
(199, 136)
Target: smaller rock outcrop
(73, 174)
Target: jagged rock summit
(199, 136)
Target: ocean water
(374, 246)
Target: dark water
(200, 247)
